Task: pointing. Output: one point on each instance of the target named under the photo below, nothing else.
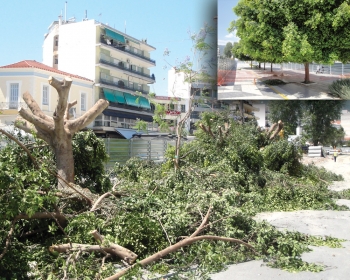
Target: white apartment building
(116, 62)
(32, 76)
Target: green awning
(131, 99)
(144, 103)
(115, 36)
(114, 96)
(137, 101)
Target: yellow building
(32, 76)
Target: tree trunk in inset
(307, 73)
(58, 130)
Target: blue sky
(225, 16)
(165, 24)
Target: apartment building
(117, 63)
(32, 76)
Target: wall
(77, 48)
(32, 80)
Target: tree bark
(271, 67)
(241, 108)
(112, 249)
(307, 73)
(63, 150)
(264, 66)
(58, 130)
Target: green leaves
(296, 46)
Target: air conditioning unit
(128, 60)
(127, 42)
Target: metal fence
(333, 69)
(120, 150)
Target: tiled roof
(38, 65)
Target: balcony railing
(121, 66)
(108, 80)
(12, 105)
(133, 108)
(122, 48)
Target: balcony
(132, 108)
(121, 66)
(122, 48)
(12, 105)
(119, 83)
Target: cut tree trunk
(64, 157)
(307, 73)
(58, 130)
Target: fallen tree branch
(113, 249)
(175, 247)
(107, 194)
(185, 242)
(22, 146)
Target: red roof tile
(38, 65)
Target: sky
(225, 16)
(165, 25)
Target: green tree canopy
(288, 111)
(300, 31)
(238, 52)
(228, 50)
(316, 118)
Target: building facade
(32, 76)
(175, 109)
(116, 62)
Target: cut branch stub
(110, 248)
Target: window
(45, 95)
(183, 108)
(83, 102)
(56, 41)
(14, 90)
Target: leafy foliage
(228, 49)
(294, 30)
(89, 157)
(340, 88)
(316, 118)
(283, 156)
(160, 205)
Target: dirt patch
(341, 167)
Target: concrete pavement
(241, 82)
(319, 223)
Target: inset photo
(271, 50)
